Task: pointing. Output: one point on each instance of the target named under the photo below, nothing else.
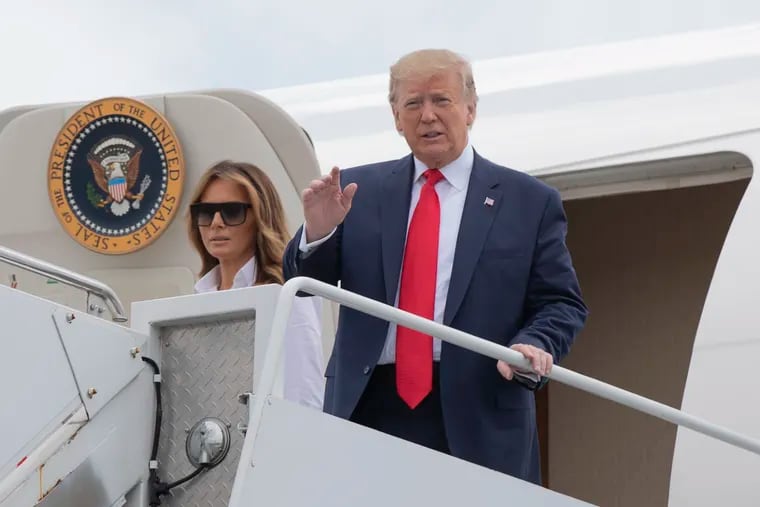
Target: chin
(439, 147)
(219, 253)
(434, 152)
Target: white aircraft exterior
(652, 144)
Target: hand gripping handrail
(63, 275)
(462, 339)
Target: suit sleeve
(554, 309)
(321, 263)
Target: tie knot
(432, 176)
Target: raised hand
(325, 205)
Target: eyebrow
(434, 93)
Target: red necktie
(414, 350)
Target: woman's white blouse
(304, 380)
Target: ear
(471, 111)
(396, 119)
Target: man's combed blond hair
(428, 63)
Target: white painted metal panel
(705, 472)
(148, 317)
(38, 387)
(103, 356)
(305, 457)
(106, 459)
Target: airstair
(184, 407)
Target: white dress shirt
(452, 191)
(304, 380)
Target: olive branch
(92, 195)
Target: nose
(428, 112)
(217, 220)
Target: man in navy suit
(446, 234)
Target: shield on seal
(117, 187)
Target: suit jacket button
(366, 370)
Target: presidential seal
(115, 175)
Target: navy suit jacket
(512, 282)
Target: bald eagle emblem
(115, 164)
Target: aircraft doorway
(645, 261)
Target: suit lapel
(481, 205)
(395, 197)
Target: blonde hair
(427, 63)
(268, 214)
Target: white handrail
(63, 275)
(486, 348)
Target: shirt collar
(243, 278)
(457, 173)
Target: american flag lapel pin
(488, 202)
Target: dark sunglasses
(233, 213)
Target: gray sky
(83, 49)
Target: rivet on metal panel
(91, 392)
(134, 351)
(69, 317)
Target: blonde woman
(237, 225)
